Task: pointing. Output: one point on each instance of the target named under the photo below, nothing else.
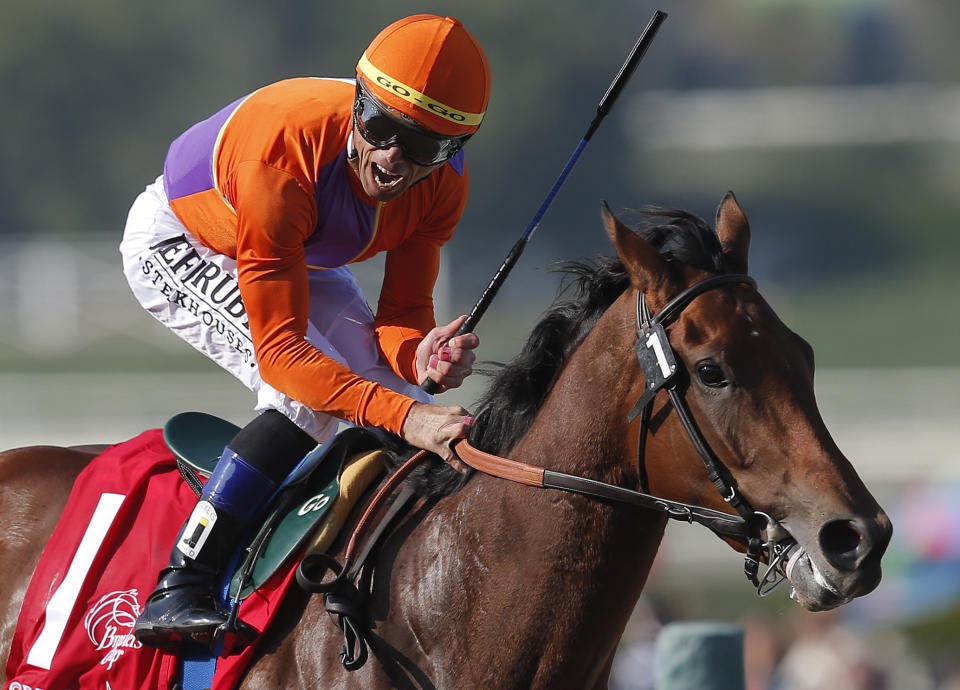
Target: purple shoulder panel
(457, 162)
(188, 168)
(345, 223)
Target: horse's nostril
(843, 543)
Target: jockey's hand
(446, 359)
(435, 427)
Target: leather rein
(659, 364)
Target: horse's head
(747, 380)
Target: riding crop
(606, 104)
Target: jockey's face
(385, 173)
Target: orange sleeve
(275, 214)
(405, 310)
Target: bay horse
(504, 585)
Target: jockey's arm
(418, 350)
(274, 283)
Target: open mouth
(788, 561)
(383, 178)
(808, 585)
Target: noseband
(660, 371)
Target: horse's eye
(711, 375)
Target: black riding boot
(184, 606)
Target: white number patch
(653, 342)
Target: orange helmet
(430, 69)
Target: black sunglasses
(382, 130)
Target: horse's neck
(581, 427)
(577, 565)
(509, 586)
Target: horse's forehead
(725, 310)
(730, 317)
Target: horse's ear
(647, 268)
(734, 233)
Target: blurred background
(835, 122)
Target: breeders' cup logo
(109, 625)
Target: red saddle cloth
(75, 626)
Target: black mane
(517, 389)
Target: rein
(531, 475)
(659, 365)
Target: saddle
(309, 508)
(306, 515)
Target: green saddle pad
(197, 439)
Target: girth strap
(345, 596)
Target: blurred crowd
(807, 651)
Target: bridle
(660, 371)
(755, 529)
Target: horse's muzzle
(851, 550)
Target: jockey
(241, 248)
